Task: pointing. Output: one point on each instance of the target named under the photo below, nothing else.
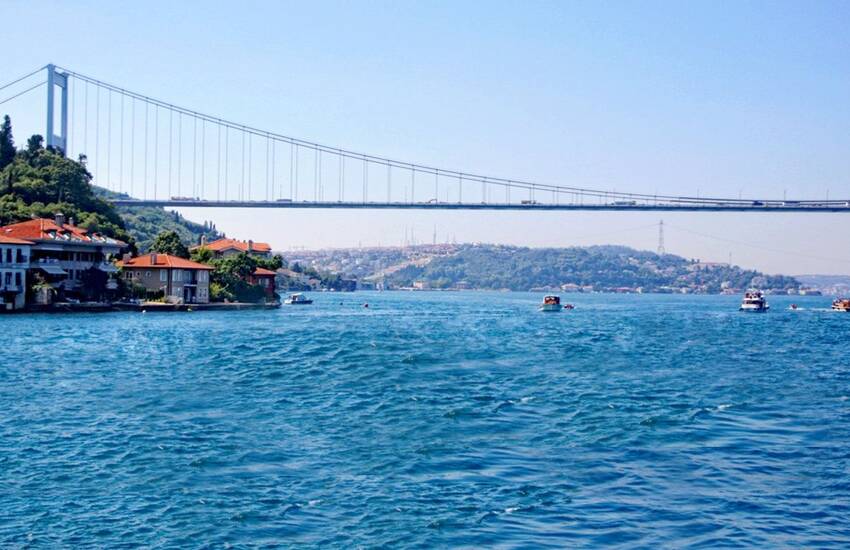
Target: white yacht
(754, 301)
(297, 299)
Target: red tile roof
(46, 230)
(164, 261)
(263, 272)
(226, 244)
(12, 240)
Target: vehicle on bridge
(193, 199)
(528, 202)
(624, 203)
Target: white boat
(551, 303)
(297, 299)
(754, 301)
(841, 304)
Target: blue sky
(676, 97)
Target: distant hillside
(144, 223)
(828, 284)
(605, 268)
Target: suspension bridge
(149, 152)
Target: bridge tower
(56, 78)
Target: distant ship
(841, 304)
(754, 301)
(297, 300)
(551, 303)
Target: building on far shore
(229, 247)
(179, 280)
(14, 262)
(76, 262)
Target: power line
(763, 248)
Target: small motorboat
(754, 302)
(551, 303)
(569, 306)
(841, 304)
(298, 299)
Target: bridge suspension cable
(320, 150)
(247, 186)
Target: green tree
(168, 242)
(7, 143)
(202, 255)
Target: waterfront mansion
(231, 247)
(178, 279)
(61, 253)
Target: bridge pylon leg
(55, 78)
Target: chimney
(203, 240)
(71, 221)
(60, 219)
(250, 246)
(125, 258)
(153, 258)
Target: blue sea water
(429, 420)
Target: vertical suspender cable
(132, 145)
(242, 185)
(297, 150)
(155, 150)
(194, 157)
(97, 135)
(86, 121)
(145, 171)
(365, 177)
(218, 166)
(250, 164)
(412, 183)
(203, 154)
(341, 173)
(109, 143)
(321, 187)
(170, 147)
(274, 193)
(389, 182)
(73, 95)
(179, 153)
(268, 146)
(291, 170)
(121, 144)
(436, 186)
(226, 159)
(315, 174)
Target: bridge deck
(682, 207)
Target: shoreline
(98, 307)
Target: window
(202, 276)
(8, 255)
(177, 275)
(8, 279)
(147, 274)
(18, 279)
(163, 276)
